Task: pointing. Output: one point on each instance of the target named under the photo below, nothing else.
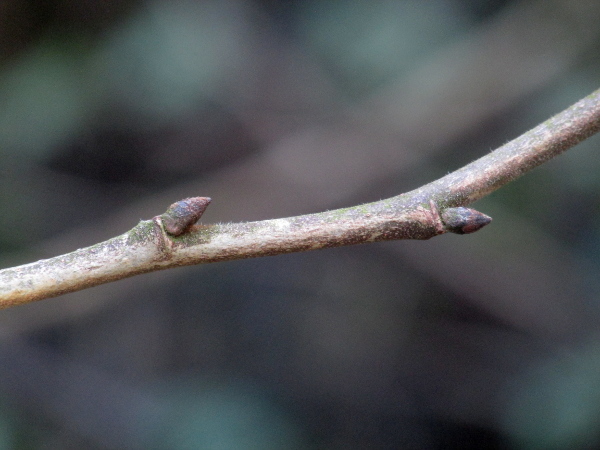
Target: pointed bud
(183, 214)
(464, 220)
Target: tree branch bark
(425, 212)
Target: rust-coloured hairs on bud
(181, 215)
(464, 220)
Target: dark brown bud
(183, 214)
(464, 220)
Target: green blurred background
(111, 110)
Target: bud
(464, 220)
(181, 215)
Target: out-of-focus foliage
(110, 111)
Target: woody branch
(172, 240)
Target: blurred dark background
(111, 110)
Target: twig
(414, 215)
